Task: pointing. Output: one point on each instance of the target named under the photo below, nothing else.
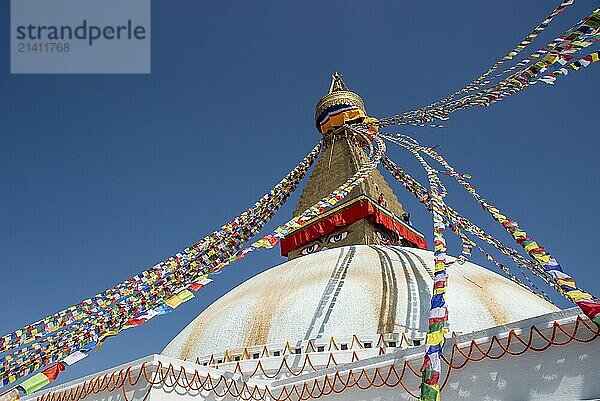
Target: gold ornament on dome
(338, 95)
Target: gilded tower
(372, 214)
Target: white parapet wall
(550, 357)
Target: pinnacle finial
(339, 100)
(337, 83)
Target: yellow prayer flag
(577, 295)
(543, 258)
(174, 301)
(531, 246)
(435, 338)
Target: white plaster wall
(558, 374)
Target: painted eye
(310, 249)
(382, 236)
(338, 237)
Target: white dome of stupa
(354, 290)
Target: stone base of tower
(550, 357)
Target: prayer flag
(74, 357)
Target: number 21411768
(47, 47)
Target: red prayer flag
(53, 371)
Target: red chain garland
(336, 383)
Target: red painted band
(362, 210)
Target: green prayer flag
(428, 393)
(436, 327)
(35, 382)
(185, 295)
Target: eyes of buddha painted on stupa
(310, 249)
(383, 237)
(321, 243)
(387, 238)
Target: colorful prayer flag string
(458, 221)
(438, 314)
(106, 311)
(237, 227)
(565, 284)
(561, 50)
(510, 55)
(70, 348)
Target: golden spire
(337, 83)
(339, 95)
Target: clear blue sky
(105, 175)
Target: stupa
(345, 317)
